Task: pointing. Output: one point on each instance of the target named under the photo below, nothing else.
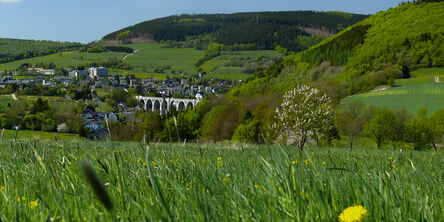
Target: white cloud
(10, 1)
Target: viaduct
(164, 105)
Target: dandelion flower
(219, 159)
(324, 163)
(353, 214)
(294, 162)
(225, 180)
(33, 204)
(256, 186)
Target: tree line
(13, 49)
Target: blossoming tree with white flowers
(305, 112)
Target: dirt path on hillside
(129, 55)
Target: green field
(4, 100)
(412, 94)
(59, 103)
(150, 56)
(150, 59)
(43, 181)
(64, 59)
(39, 135)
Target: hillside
(389, 45)
(265, 29)
(15, 49)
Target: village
(187, 87)
(196, 87)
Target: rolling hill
(248, 38)
(15, 49)
(264, 29)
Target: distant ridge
(265, 29)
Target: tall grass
(199, 182)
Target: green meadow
(39, 135)
(44, 181)
(64, 59)
(151, 56)
(5, 99)
(421, 91)
(59, 103)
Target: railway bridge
(164, 105)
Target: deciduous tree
(304, 112)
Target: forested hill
(368, 54)
(265, 29)
(15, 49)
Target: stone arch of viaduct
(164, 105)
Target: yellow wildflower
(324, 163)
(256, 186)
(33, 204)
(144, 163)
(390, 158)
(225, 180)
(306, 161)
(153, 163)
(353, 214)
(294, 162)
(219, 161)
(20, 199)
(2, 188)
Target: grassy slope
(251, 184)
(12, 47)
(411, 94)
(153, 55)
(222, 67)
(149, 57)
(144, 61)
(4, 100)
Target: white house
(42, 71)
(100, 72)
(200, 95)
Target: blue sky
(89, 20)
